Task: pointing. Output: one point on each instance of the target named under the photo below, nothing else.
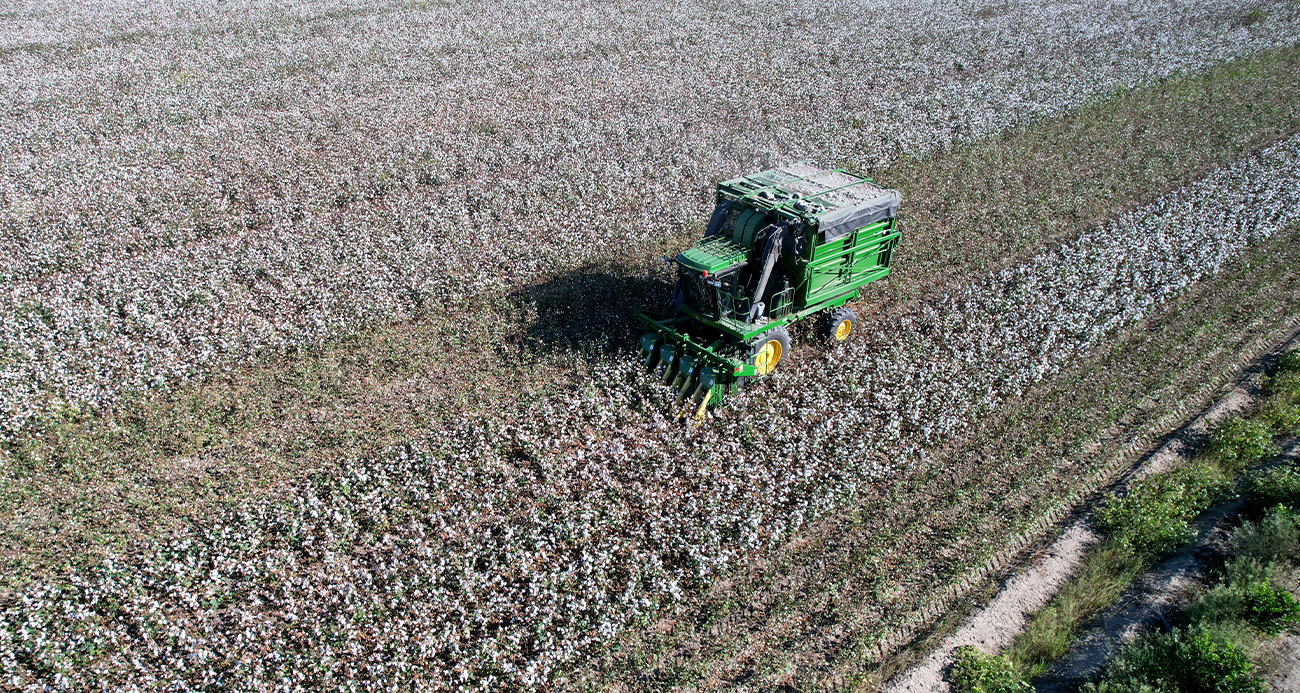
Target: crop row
(184, 189)
(494, 554)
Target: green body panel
(746, 228)
(845, 264)
(828, 277)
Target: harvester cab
(781, 246)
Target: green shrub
(1199, 659)
(1154, 518)
(1270, 608)
(1281, 415)
(1289, 363)
(1280, 485)
(1245, 569)
(975, 672)
(1276, 537)
(1125, 686)
(1237, 443)
(1226, 601)
(1281, 409)
(1285, 384)
(1247, 594)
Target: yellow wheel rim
(766, 359)
(842, 330)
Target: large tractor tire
(767, 351)
(839, 324)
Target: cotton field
(491, 556)
(187, 185)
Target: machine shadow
(590, 310)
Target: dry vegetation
(499, 552)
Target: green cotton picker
(783, 245)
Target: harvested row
(182, 191)
(496, 555)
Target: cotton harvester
(782, 245)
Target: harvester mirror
(802, 238)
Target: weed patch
(1238, 443)
(976, 672)
(1278, 486)
(1274, 538)
(1224, 623)
(1200, 659)
(1249, 593)
(1281, 408)
(1154, 519)
(1100, 580)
